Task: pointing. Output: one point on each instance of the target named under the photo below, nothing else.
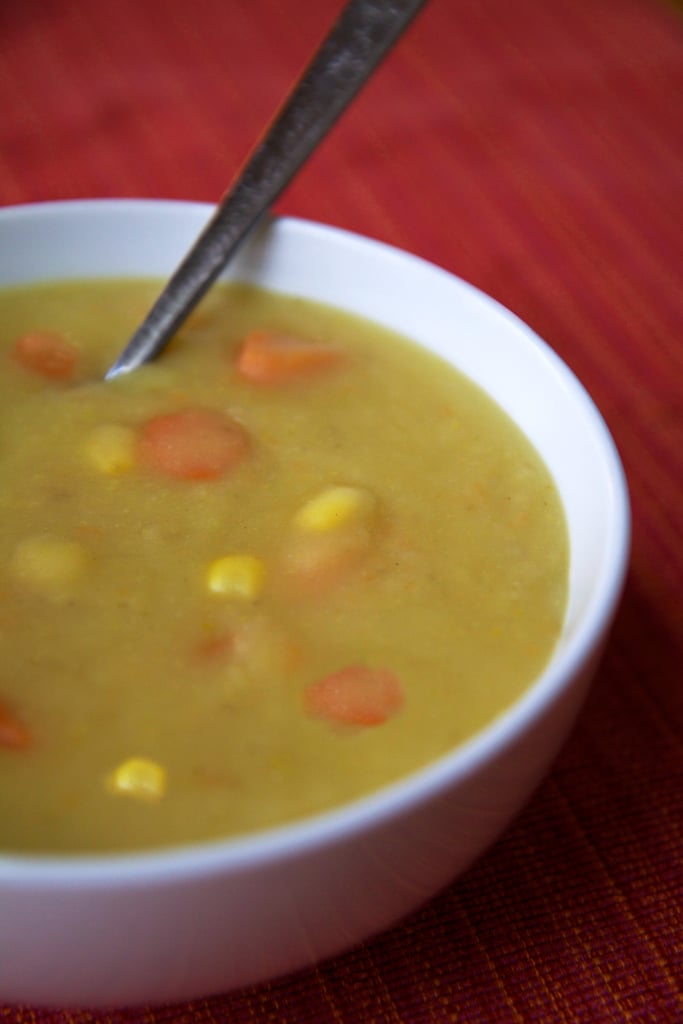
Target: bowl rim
(283, 842)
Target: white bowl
(171, 925)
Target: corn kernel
(48, 565)
(111, 448)
(239, 576)
(138, 778)
(335, 508)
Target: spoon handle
(365, 31)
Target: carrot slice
(214, 648)
(192, 444)
(46, 353)
(316, 564)
(356, 695)
(14, 735)
(266, 357)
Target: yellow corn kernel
(239, 576)
(138, 778)
(335, 508)
(111, 448)
(48, 565)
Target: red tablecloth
(536, 149)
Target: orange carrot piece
(14, 735)
(356, 695)
(46, 353)
(215, 648)
(314, 564)
(192, 444)
(266, 357)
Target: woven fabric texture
(536, 149)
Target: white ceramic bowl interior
(181, 923)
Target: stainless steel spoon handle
(365, 31)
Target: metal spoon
(363, 34)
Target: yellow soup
(293, 560)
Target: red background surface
(535, 149)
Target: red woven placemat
(536, 149)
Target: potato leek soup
(293, 560)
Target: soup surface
(293, 560)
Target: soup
(290, 562)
